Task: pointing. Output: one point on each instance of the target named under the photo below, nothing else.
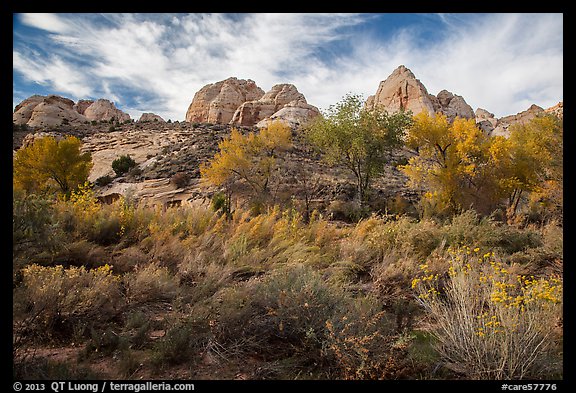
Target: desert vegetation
(465, 285)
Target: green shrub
(105, 230)
(104, 180)
(32, 223)
(123, 164)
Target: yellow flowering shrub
(489, 321)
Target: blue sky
(156, 62)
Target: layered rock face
(402, 91)
(217, 102)
(52, 110)
(150, 117)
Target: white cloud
(502, 62)
(53, 72)
(48, 22)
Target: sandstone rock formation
(494, 126)
(81, 106)
(453, 106)
(150, 117)
(217, 102)
(103, 109)
(557, 110)
(23, 111)
(283, 102)
(30, 138)
(53, 110)
(402, 91)
(48, 111)
(294, 114)
(505, 122)
(485, 120)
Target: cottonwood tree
(250, 159)
(460, 167)
(361, 140)
(532, 163)
(49, 165)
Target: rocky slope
(163, 150)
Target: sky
(157, 62)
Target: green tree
(123, 164)
(359, 139)
(250, 159)
(49, 165)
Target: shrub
(32, 222)
(105, 229)
(184, 340)
(123, 164)
(104, 180)
(180, 179)
(218, 202)
(491, 323)
(63, 298)
(293, 313)
(151, 283)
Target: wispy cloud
(156, 62)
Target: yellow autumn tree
(534, 164)
(249, 159)
(450, 164)
(460, 167)
(48, 165)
